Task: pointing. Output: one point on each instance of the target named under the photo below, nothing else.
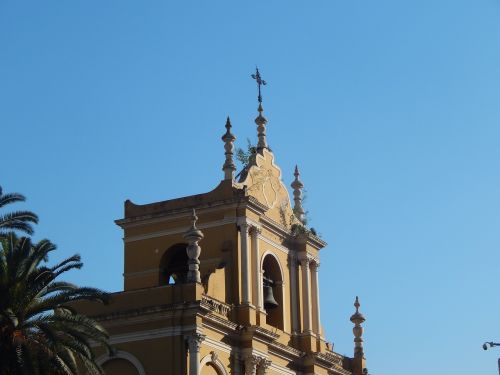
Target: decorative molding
(122, 355)
(216, 306)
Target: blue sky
(390, 108)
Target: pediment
(263, 182)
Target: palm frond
(39, 333)
(17, 220)
(9, 198)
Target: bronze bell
(269, 301)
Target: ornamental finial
(261, 121)
(228, 138)
(193, 235)
(357, 318)
(297, 186)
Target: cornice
(177, 230)
(291, 353)
(145, 313)
(175, 214)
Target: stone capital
(194, 342)
(254, 229)
(263, 366)
(304, 261)
(251, 363)
(243, 225)
(314, 264)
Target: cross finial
(260, 82)
(261, 121)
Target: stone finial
(261, 122)
(297, 187)
(228, 138)
(193, 235)
(357, 318)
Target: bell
(269, 301)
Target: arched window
(272, 289)
(174, 265)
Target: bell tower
(225, 282)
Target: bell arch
(174, 265)
(271, 283)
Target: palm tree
(17, 220)
(39, 332)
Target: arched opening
(121, 363)
(210, 369)
(119, 366)
(212, 365)
(272, 290)
(174, 265)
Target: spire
(261, 121)
(228, 138)
(193, 235)
(297, 186)
(357, 318)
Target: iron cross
(260, 82)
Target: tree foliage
(40, 333)
(16, 220)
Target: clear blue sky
(390, 107)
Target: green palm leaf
(18, 220)
(39, 333)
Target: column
(306, 290)
(194, 343)
(245, 263)
(236, 364)
(257, 283)
(315, 290)
(292, 263)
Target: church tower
(224, 282)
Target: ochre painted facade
(253, 242)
